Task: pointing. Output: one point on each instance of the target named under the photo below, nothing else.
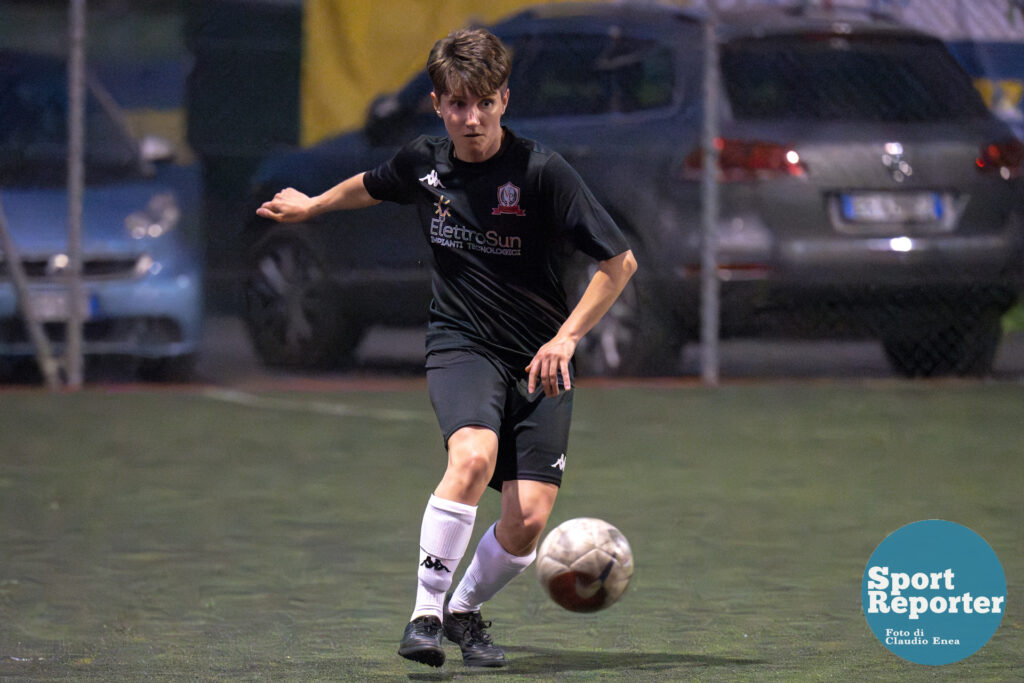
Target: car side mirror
(383, 119)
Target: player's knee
(472, 465)
(532, 528)
(520, 537)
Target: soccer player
(498, 211)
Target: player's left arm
(604, 288)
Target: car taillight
(1004, 157)
(741, 160)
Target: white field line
(244, 398)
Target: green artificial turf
(213, 535)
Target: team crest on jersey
(508, 201)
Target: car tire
(19, 370)
(966, 347)
(168, 369)
(294, 313)
(630, 339)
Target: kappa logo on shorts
(560, 463)
(508, 201)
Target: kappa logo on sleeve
(432, 180)
(508, 201)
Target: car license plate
(55, 305)
(892, 207)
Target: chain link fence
(854, 180)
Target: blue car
(141, 268)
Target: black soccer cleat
(421, 641)
(469, 631)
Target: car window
(861, 78)
(568, 74)
(34, 131)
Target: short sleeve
(581, 218)
(389, 181)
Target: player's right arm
(291, 206)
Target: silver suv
(865, 190)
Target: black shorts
(468, 389)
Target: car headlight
(160, 216)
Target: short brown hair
(469, 61)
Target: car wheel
(293, 311)
(169, 369)
(631, 339)
(966, 347)
(19, 370)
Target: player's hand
(288, 206)
(550, 361)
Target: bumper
(157, 316)
(856, 288)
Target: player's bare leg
(504, 552)
(444, 535)
(472, 454)
(525, 508)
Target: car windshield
(579, 74)
(34, 129)
(853, 78)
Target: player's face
(473, 123)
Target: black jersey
(498, 230)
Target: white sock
(444, 536)
(490, 571)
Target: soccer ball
(585, 564)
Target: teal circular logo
(934, 592)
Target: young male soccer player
(497, 210)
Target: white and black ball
(585, 564)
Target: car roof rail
(810, 8)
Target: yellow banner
(357, 49)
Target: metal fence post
(709, 284)
(76, 183)
(47, 364)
